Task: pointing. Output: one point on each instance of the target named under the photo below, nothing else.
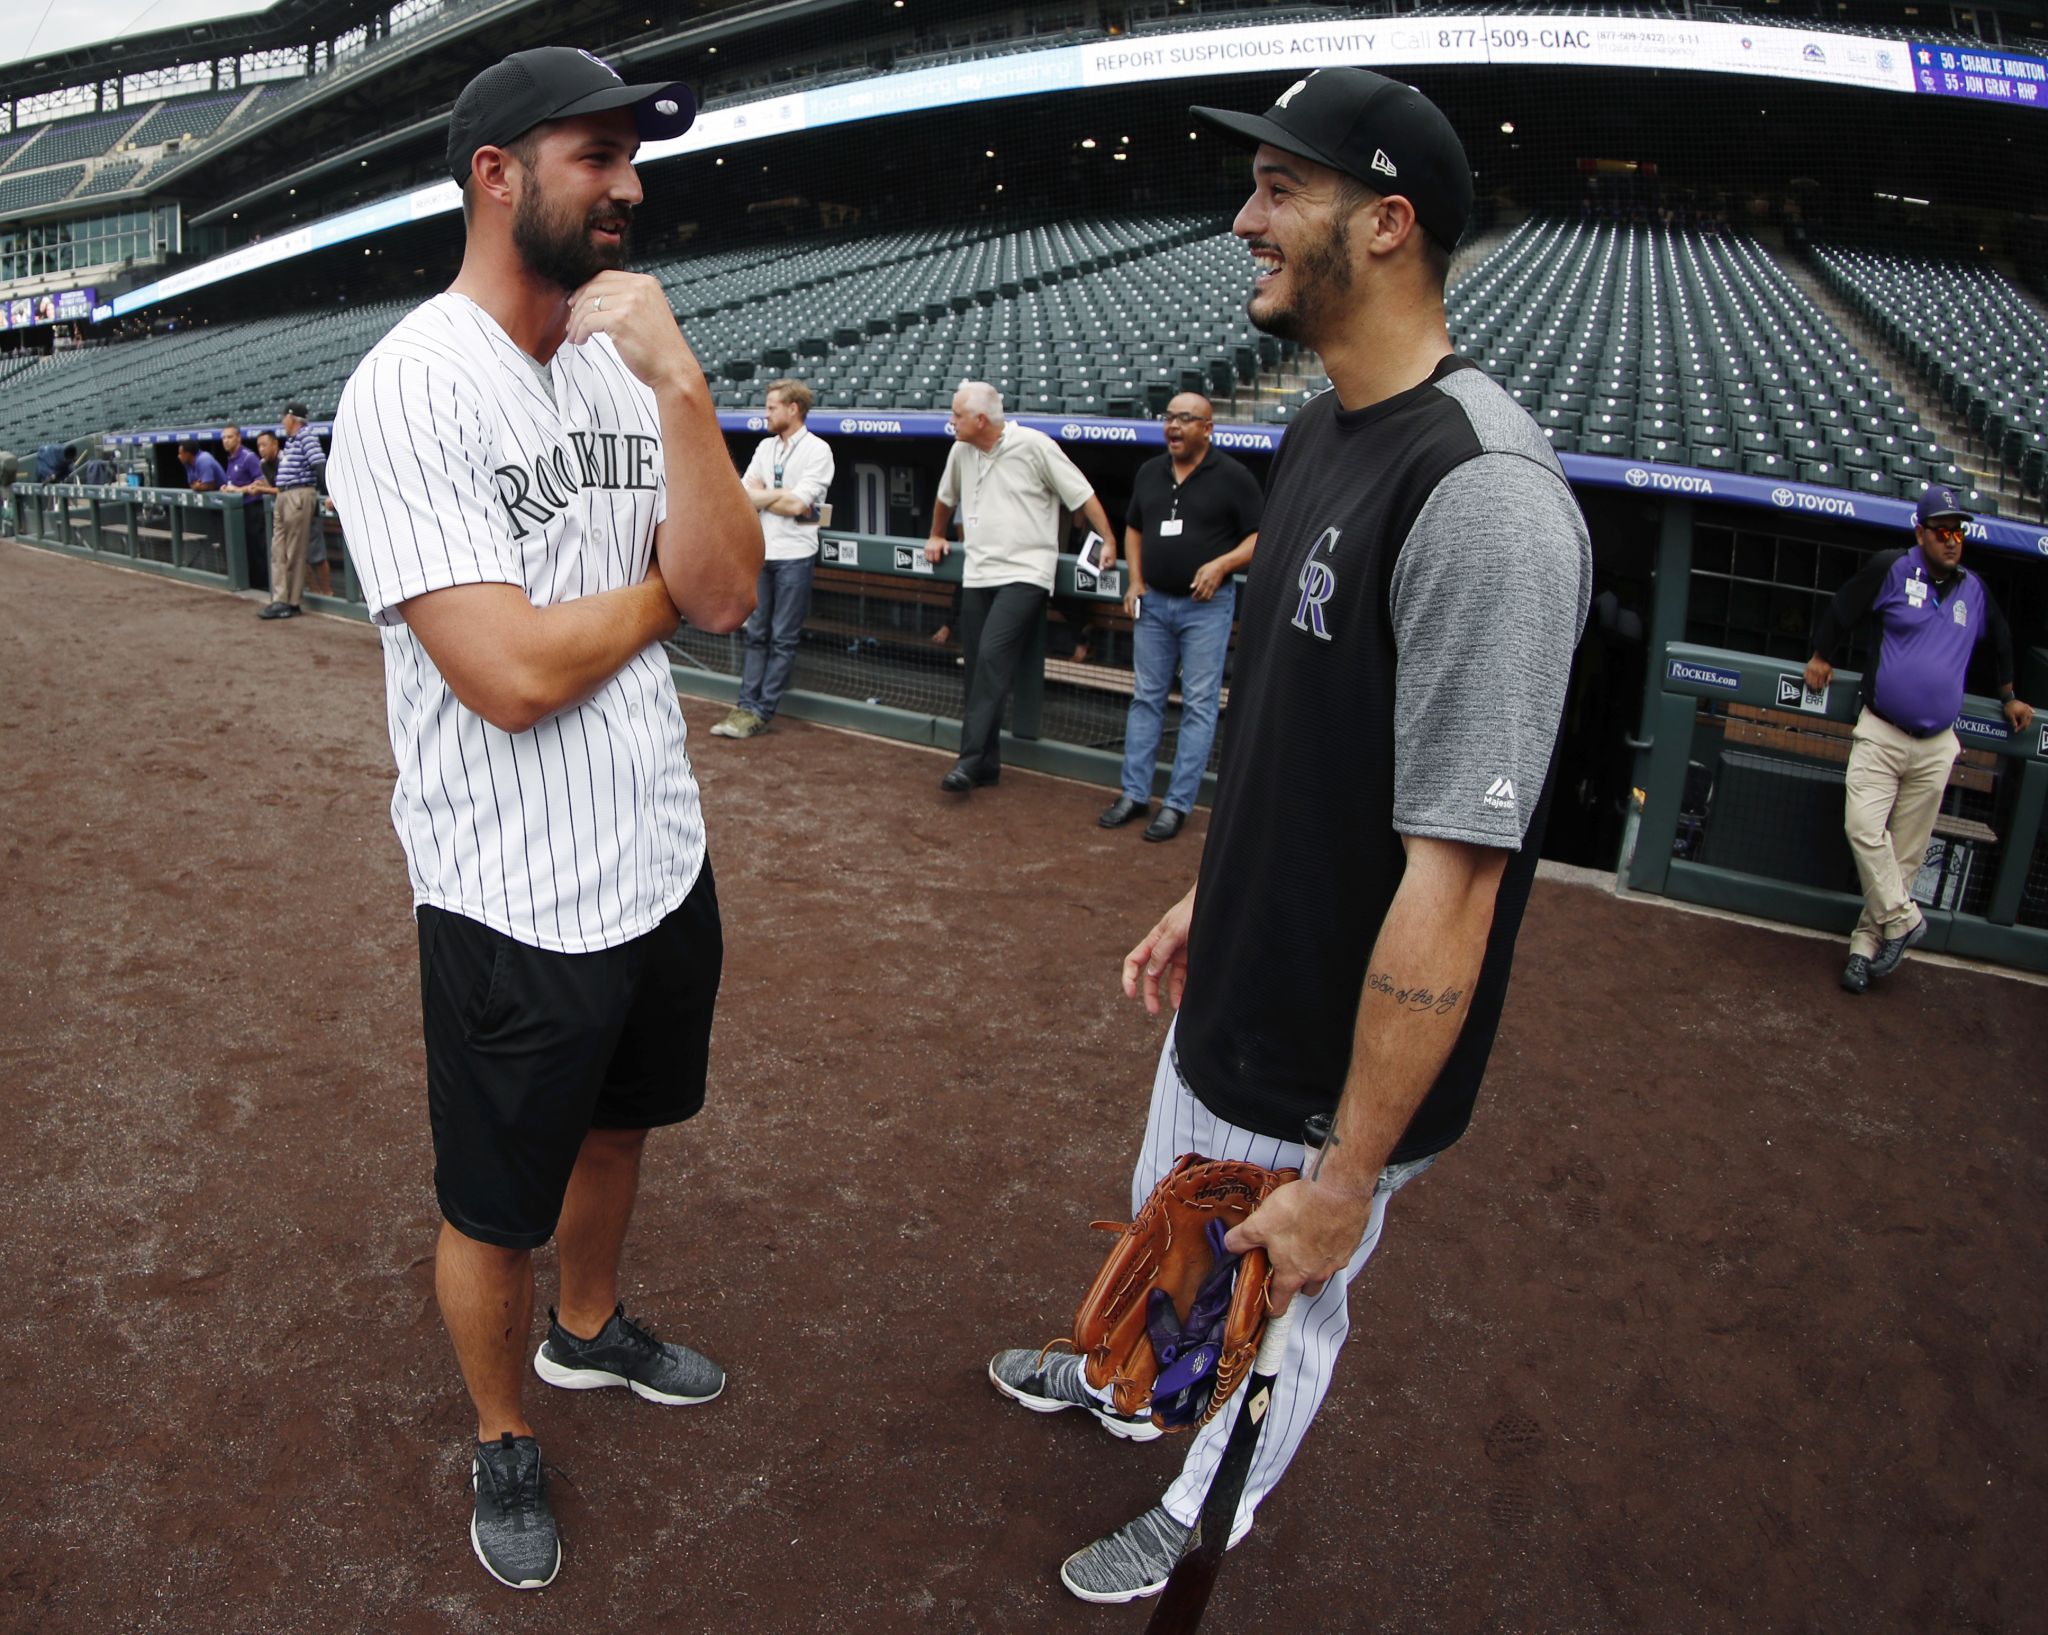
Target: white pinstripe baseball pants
(1179, 1123)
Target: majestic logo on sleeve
(1500, 794)
(1318, 583)
(536, 493)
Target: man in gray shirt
(1405, 643)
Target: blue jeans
(1176, 632)
(774, 629)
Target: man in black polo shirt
(1404, 647)
(1192, 523)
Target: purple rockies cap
(1938, 501)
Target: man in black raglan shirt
(1406, 637)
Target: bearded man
(534, 488)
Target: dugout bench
(1743, 804)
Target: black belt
(1908, 731)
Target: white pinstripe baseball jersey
(459, 460)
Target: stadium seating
(1979, 343)
(187, 119)
(71, 139)
(112, 178)
(1639, 342)
(38, 187)
(1687, 348)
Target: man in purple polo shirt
(202, 471)
(242, 468)
(1931, 612)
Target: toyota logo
(1782, 496)
(1636, 477)
(2041, 544)
(1070, 431)
(756, 423)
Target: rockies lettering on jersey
(458, 460)
(536, 497)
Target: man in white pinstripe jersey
(534, 488)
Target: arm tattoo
(1419, 1001)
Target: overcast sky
(65, 23)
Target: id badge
(1170, 527)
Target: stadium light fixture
(1119, 157)
(1087, 141)
(1507, 127)
(988, 153)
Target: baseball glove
(1172, 1322)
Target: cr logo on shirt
(1318, 583)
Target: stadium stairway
(1987, 475)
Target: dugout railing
(870, 659)
(1742, 771)
(1743, 805)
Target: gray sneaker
(626, 1354)
(740, 724)
(1893, 949)
(513, 1530)
(1134, 1561)
(1046, 1384)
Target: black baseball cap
(529, 88)
(1388, 135)
(296, 410)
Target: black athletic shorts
(527, 1050)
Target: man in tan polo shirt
(1008, 485)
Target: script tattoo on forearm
(1418, 1001)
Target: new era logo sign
(1382, 164)
(1500, 795)
(1290, 93)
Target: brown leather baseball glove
(1172, 1321)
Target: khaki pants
(1895, 787)
(291, 526)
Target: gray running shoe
(740, 724)
(513, 1530)
(1893, 949)
(626, 1354)
(1047, 1384)
(1134, 1561)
